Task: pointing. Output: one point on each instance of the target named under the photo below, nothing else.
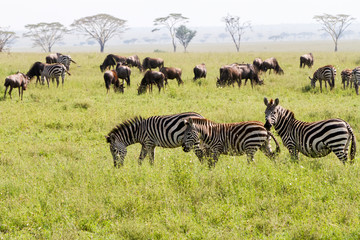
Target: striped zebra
(162, 131)
(326, 73)
(54, 71)
(346, 76)
(356, 79)
(228, 138)
(66, 60)
(313, 139)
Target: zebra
(326, 73)
(165, 131)
(346, 76)
(356, 79)
(228, 138)
(313, 139)
(54, 71)
(66, 60)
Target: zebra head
(271, 112)
(191, 136)
(117, 149)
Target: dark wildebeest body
(123, 72)
(346, 76)
(150, 78)
(306, 60)
(150, 63)
(134, 61)
(199, 71)
(52, 58)
(271, 63)
(236, 72)
(111, 60)
(257, 63)
(110, 77)
(172, 73)
(35, 70)
(18, 80)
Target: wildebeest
(172, 73)
(111, 60)
(257, 63)
(150, 63)
(134, 61)
(306, 60)
(35, 70)
(150, 78)
(18, 80)
(271, 63)
(346, 76)
(236, 72)
(199, 71)
(52, 58)
(110, 77)
(123, 72)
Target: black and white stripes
(313, 139)
(52, 71)
(326, 73)
(162, 131)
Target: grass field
(57, 177)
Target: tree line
(103, 27)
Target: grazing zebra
(54, 71)
(356, 79)
(163, 131)
(66, 60)
(346, 76)
(228, 138)
(326, 73)
(313, 139)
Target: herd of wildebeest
(58, 64)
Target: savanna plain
(57, 179)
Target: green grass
(58, 181)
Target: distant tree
(223, 36)
(236, 28)
(170, 23)
(100, 27)
(335, 25)
(184, 35)
(45, 35)
(6, 38)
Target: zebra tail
(277, 151)
(67, 72)
(353, 144)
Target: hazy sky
(16, 14)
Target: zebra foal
(162, 131)
(228, 138)
(313, 139)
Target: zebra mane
(126, 124)
(287, 111)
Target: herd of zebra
(209, 139)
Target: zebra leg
(143, 154)
(57, 81)
(294, 154)
(213, 159)
(151, 151)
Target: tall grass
(57, 178)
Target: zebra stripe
(229, 138)
(54, 71)
(313, 139)
(346, 76)
(326, 73)
(356, 79)
(162, 131)
(66, 60)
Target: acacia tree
(335, 25)
(6, 38)
(100, 27)
(170, 23)
(236, 29)
(184, 35)
(45, 35)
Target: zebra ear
(276, 101)
(266, 102)
(107, 139)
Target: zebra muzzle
(267, 125)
